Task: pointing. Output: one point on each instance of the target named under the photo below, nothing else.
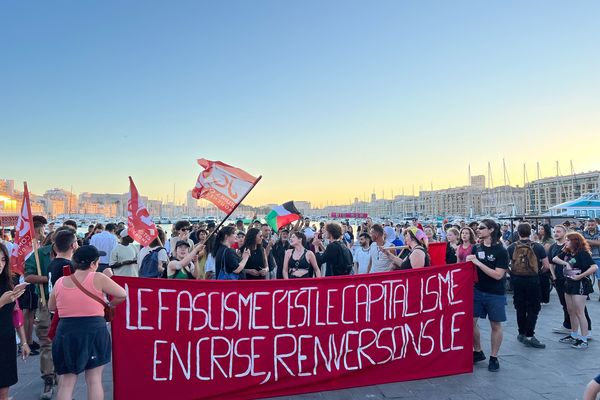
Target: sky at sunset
(328, 100)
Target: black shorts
(81, 343)
(582, 287)
(29, 299)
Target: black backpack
(149, 267)
(345, 263)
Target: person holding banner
(227, 263)
(82, 342)
(8, 344)
(299, 262)
(491, 259)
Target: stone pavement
(558, 372)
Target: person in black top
(226, 259)
(279, 249)
(491, 259)
(527, 288)
(333, 256)
(257, 266)
(65, 244)
(8, 343)
(576, 258)
(452, 236)
(299, 262)
(558, 277)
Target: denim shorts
(489, 305)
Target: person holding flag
(28, 260)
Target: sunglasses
(480, 228)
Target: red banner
(248, 339)
(23, 236)
(437, 253)
(348, 215)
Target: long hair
(578, 243)
(471, 236)
(547, 233)
(494, 227)
(221, 235)
(250, 240)
(6, 276)
(456, 233)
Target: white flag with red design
(23, 244)
(140, 226)
(223, 185)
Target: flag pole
(234, 208)
(39, 270)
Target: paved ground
(555, 373)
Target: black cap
(87, 255)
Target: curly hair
(577, 243)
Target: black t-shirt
(538, 250)
(494, 256)
(451, 257)
(554, 251)
(226, 258)
(55, 268)
(278, 252)
(581, 261)
(256, 262)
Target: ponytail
(221, 235)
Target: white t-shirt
(380, 262)
(210, 264)
(124, 253)
(362, 257)
(162, 255)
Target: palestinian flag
(282, 215)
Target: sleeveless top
(72, 302)
(462, 253)
(406, 264)
(301, 264)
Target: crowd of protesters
(64, 301)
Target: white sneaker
(562, 330)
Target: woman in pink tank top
(465, 244)
(82, 342)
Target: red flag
(139, 224)
(23, 236)
(223, 185)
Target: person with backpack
(182, 266)
(337, 256)
(527, 261)
(153, 259)
(228, 265)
